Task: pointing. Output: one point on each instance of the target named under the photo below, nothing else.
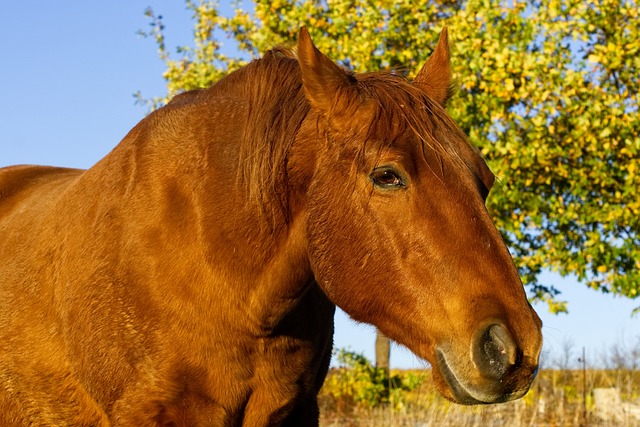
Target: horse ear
(435, 76)
(323, 81)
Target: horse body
(108, 308)
(190, 277)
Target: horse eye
(387, 178)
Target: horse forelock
(402, 108)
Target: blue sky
(69, 71)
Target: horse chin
(454, 388)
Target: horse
(190, 277)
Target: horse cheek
(334, 247)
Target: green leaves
(357, 381)
(548, 91)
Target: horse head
(398, 232)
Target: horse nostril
(494, 351)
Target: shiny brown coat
(189, 278)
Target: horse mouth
(466, 395)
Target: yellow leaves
(313, 21)
(546, 94)
(468, 84)
(508, 85)
(276, 4)
(556, 306)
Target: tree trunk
(383, 351)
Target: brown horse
(189, 278)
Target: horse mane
(276, 108)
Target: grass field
(355, 395)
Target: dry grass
(555, 399)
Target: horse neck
(183, 195)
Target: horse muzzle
(497, 369)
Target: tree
(547, 90)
